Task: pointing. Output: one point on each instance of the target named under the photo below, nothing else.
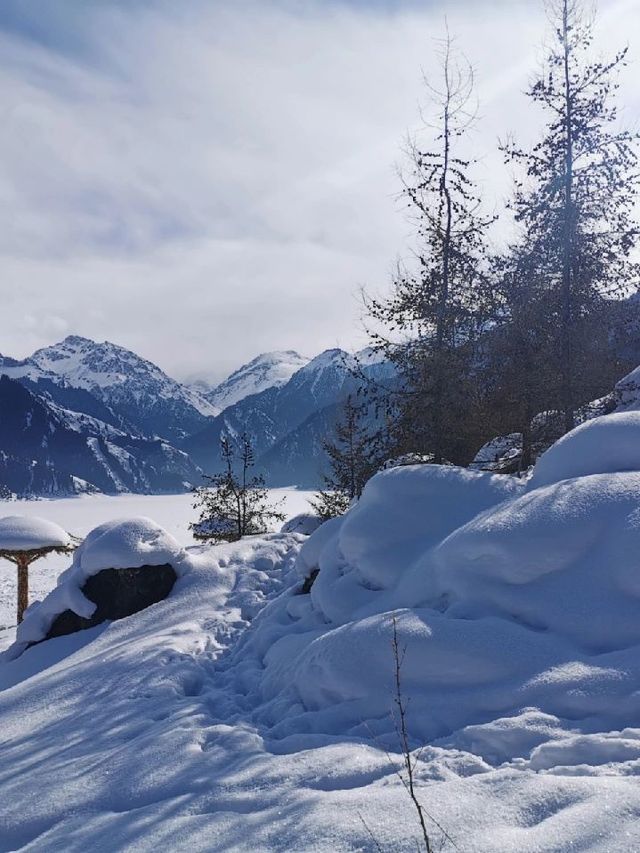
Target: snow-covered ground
(80, 515)
(249, 712)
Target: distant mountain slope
(47, 450)
(141, 397)
(274, 414)
(125, 418)
(299, 457)
(268, 370)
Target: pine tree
(234, 503)
(353, 459)
(575, 206)
(433, 316)
(516, 365)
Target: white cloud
(202, 181)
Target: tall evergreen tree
(433, 316)
(575, 206)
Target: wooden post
(23, 585)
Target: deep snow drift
(246, 713)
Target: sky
(204, 180)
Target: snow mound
(22, 533)
(405, 510)
(127, 543)
(121, 544)
(305, 523)
(606, 444)
(505, 599)
(560, 559)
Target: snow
(129, 543)
(23, 533)
(268, 370)
(606, 444)
(241, 714)
(100, 367)
(499, 453)
(559, 559)
(81, 514)
(305, 523)
(627, 391)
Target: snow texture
(306, 523)
(603, 445)
(245, 714)
(24, 533)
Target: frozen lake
(80, 515)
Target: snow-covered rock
(627, 391)
(121, 544)
(500, 454)
(28, 533)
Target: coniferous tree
(353, 458)
(516, 364)
(434, 315)
(575, 208)
(234, 503)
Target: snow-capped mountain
(129, 384)
(131, 417)
(268, 370)
(296, 409)
(48, 450)
(136, 391)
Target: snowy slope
(135, 389)
(316, 389)
(245, 714)
(268, 370)
(48, 450)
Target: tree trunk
(567, 331)
(23, 586)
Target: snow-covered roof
(25, 533)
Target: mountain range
(86, 416)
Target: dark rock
(308, 582)
(117, 593)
